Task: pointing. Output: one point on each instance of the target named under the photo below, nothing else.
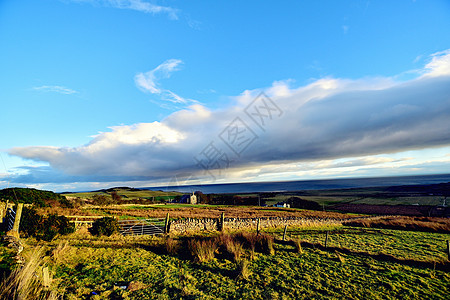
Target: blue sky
(141, 93)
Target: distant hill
(115, 189)
(29, 196)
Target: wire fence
(10, 217)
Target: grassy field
(328, 199)
(397, 195)
(180, 211)
(411, 245)
(87, 267)
(128, 194)
(357, 262)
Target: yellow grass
(26, 282)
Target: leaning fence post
(15, 230)
(284, 233)
(166, 224)
(326, 240)
(258, 224)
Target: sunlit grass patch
(27, 281)
(85, 264)
(202, 250)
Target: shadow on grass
(442, 266)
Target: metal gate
(10, 217)
(142, 227)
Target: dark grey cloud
(327, 119)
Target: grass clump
(264, 244)
(172, 246)
(60, 253)
(242, 269)
(340, 258)
(26, 282)
(232, 246)
(202, 250)
(298, 245)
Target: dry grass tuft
(298, 245)
(340, 258)
(202, 250)
(61, 252)
(249, 240)
(232, 246)
(172, 246)
(242, 269)
(265, 244)
(26, 282)
(136, 285)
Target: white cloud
(149, 82)
(137, 5)
(439, 64)
(325, 127)
(55, 89)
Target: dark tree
(297, 202)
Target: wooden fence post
(15, 230)
(3, 211)
(222, 221)
(166, 224)
(326, 240)
(284, 233)
(45, 277)
(258, 224)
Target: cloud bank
(328, 119)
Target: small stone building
(193, 199)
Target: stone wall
(192, 225)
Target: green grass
(92, 264)
(128, 195)
(288, 275)
(6, 260)
(415, 245)
(374, 196)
